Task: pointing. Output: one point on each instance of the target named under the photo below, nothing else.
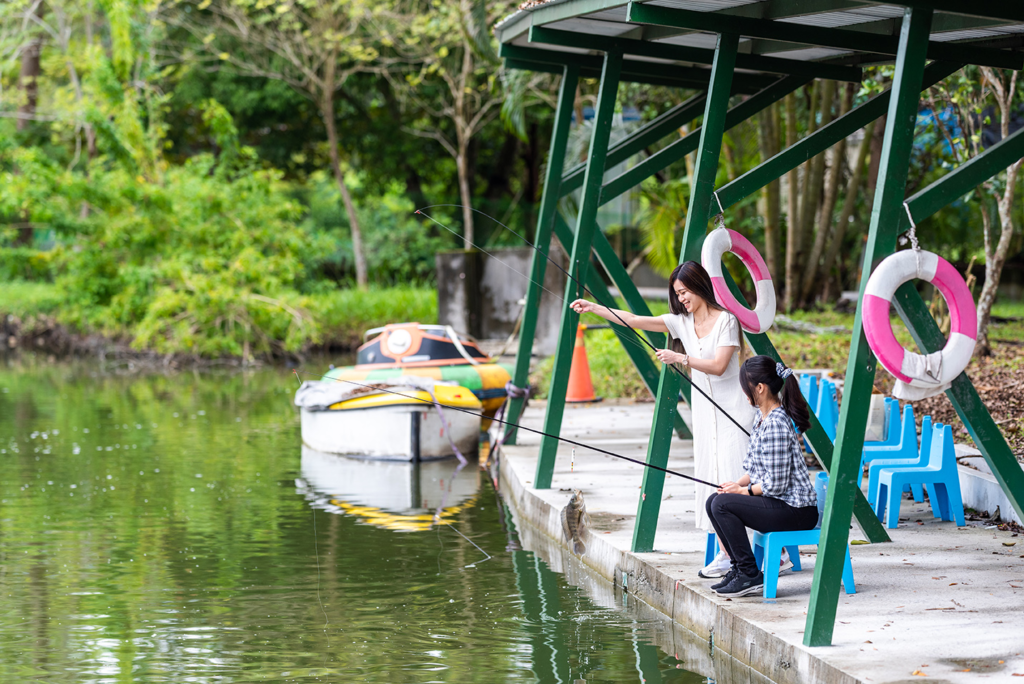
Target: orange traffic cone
(581, 389)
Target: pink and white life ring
(717, 243)
(963, 335)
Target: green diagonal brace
(579, 264)
(965, 399)
(643, 137)
(678, 149)
(705, 170)
(819, 440)
(966, 177)
(542, 240)
(633, 347)
(816, 143)
(860, 371)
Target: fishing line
(316, 550)
(599, 450)
(588, 291)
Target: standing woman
(706, 338)
(776, 493)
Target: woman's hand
(731, 488)
(582, 306)
(668, 356)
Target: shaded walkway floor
(942, 601)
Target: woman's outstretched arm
(651, 323)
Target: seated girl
(775, 493)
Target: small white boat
(405, 497)
(401, 419)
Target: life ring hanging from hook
(892, 272)
(716, 244)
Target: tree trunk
(28, 79)
(792, 208)
(995, 259)
(852, 190)
(769, 143)
(828, 205)
(327, 110)
(465, 193)
(814, 180)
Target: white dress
(718, 445)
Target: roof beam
(539, 34)
(813, 35)
(632, 70)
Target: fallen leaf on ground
(918, 673)
(940, 608)
(857, 542)
(1009, 543)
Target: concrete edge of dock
(715, 621)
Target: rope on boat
(582, 445)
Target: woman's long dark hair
(763, 369)
(695, 279)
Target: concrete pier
(939, 602)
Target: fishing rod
(585, 289)
(378, 388)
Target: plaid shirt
(775, 461)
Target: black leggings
(731, 514)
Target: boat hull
(393, 433)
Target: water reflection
(396, 495)
(156, 534)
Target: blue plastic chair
(890, 426)
(710, 549)
(940, 476)
(827, 408)
(809, 388)
(768, 547)
(877, 465)
(905, 446)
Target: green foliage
(346, 314)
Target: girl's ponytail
(794, 404)
(783, 384)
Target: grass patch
(22, 298)
(344, 315)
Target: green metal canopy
(764, 50)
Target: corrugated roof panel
(840, 19)
(702, 5)
(699, 40)
(615, 14)
(810, 54)
(966, 34)
(597, 28)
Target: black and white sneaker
(729, 577)
(743, 585)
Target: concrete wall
(480, 294)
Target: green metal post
(705, 171)
(634, 348)
(860, 371)
(579, 261)
(820, 442)
(542, 239)
(965, 399)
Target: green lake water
(170, 528)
